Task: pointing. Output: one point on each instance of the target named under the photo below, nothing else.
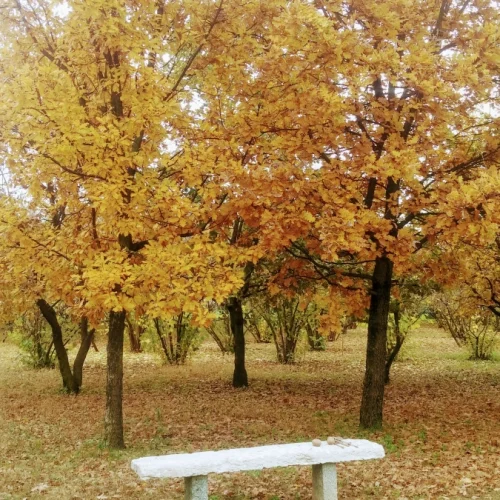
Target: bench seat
(195, 467)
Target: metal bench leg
(324, 482)
(196, 488)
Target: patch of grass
(254, 473)
(422, 436)
(390, 444)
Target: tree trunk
(132, 339)
(392, 356)
(400, 338)
(134, 336)
(85, 343)
(113, 420)
(240, 378)
(372, 402)
(180, 329)
(48, 312)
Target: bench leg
(324, 482)
(196, 488)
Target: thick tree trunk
(85, 343)
(240, 377)
(69, 382)
(376, 350)
(113, 420)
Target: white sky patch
(61, 10)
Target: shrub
(177, 337)
(33, 336)
(471, 326)
(220, 331)
(286, 318)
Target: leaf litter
(441, 432)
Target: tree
(386, 121)
(72, 378)
(235, 309)
(112, 162)
(286, 318)
(476, 261)
(28, 281)
(135, 329)
(220, 331)
(176, 337)
(350, 134)
(405, 311)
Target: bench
(195, 467)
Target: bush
(34, 338)
(220, 331)
(286, 319)
(316, 341)
(177, 337)
(258, 327)
(470, 326)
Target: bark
(134, 335)
(400, 338)
(371, 414)
(87, 337)
(69, 382)
(240, 377)
(392, 356)
(113, 419)
(315, 340)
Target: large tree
(359, 124)
(96, 104)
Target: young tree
(286, 318)
(177, 337)
(29, 280)
(135, 330)
(404, 313)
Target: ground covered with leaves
(442, 431)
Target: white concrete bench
(195, 467)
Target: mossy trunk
(240, 377)
(113, 420)
(371, 414)
(70, 383)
